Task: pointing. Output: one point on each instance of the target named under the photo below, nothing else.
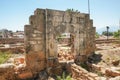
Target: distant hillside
(111, 29)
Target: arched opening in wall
(65, 47)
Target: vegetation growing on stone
(72, 10)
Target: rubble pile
(64, 54)
(19, 64)
(79, 73)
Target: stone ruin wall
(46, 24)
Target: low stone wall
(79, 73)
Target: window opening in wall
(65, 47)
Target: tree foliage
(109, 33)
(117, 34)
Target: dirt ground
(109, 57)
(108, 60)
(110, 52)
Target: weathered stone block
(112, 73)
(33, 42)
(35, 61)
(36, 31)
(38, 47)
(25, 75)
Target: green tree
(109, 33)
(117, 34)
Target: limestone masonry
(46, 25)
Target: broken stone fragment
(25, 75)
(116, 63)
(112, 73)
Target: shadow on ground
(95, 58)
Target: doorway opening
(65, 47)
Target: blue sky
(14, 14)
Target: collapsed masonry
(49, 30)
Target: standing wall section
(35, 32)
(46, 25)
(35, 42)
